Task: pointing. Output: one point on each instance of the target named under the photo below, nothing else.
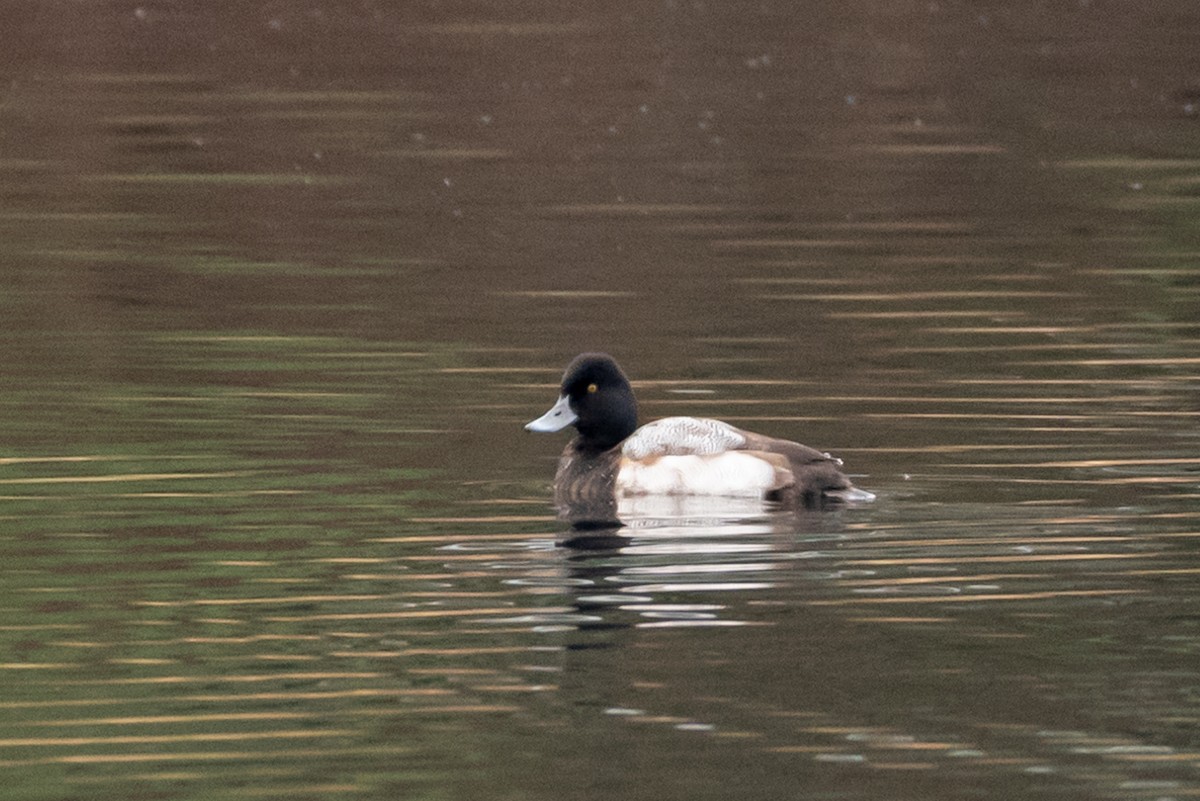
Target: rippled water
(279, 286)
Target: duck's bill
(559, 417)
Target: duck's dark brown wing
(816, 473)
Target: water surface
(280, 286)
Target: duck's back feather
(681, 436)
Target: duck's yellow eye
(592, 388)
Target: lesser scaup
(611, 457)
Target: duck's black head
(596, 398)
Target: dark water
(281, 282)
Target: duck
(611, 457)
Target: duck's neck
(619, 420)
(590, 446)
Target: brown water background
(279, 283)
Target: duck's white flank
(730, 474)
(681, 436)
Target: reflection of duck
(612, 458)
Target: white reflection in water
(744, 567)
(729, 586)
(676, 529)
(710, 512)
(694, 548)
(548, 581)
(924, 589)
(642, 607)
(664, 624)
(617, 600)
